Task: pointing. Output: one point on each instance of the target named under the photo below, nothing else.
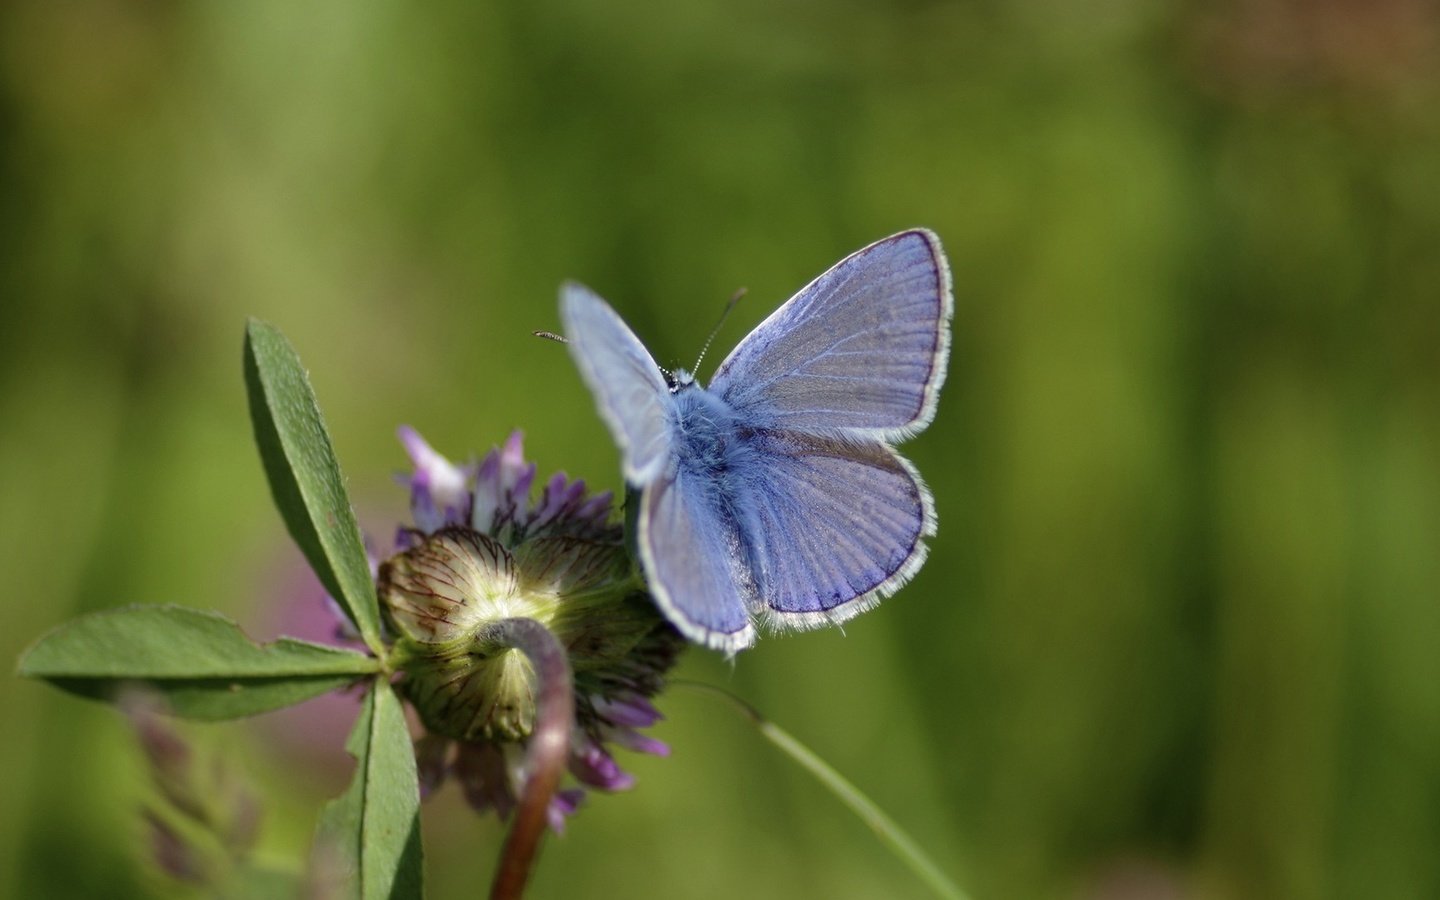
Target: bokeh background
(1179, 633)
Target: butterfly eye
(678, 380)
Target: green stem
(885, 828)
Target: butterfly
(774, 495)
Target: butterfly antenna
(724, 314)
(560, 339)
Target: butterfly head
(679, 380)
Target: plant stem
(549, 746)
(885, 828)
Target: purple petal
(512, 457)
(487, 494)
(633, 711)
(423, 511)
(593, 766)
(515, 478)
(634, 740)
(406, 538)
(560, 496)
(520, 490)
(438, 487)
(597, 507)
(564, 803)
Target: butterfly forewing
(861, 348)
(692, 554)
(629, 390)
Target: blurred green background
(1179, 633)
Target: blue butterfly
(774, 494)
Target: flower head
(481, 551)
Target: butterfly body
(706, 430)
(774, 494)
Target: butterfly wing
(688, 544)
(835, 525)
(692, 553)
(629, 390)
(862, 348)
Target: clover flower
(482, 551)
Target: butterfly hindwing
(834, 525)
(629, 390)
(692, 553)
(862, 348)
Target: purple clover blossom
(439, 490)
(480, 550)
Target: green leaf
(201, 662)
(374, 827)
(304, 477)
